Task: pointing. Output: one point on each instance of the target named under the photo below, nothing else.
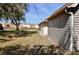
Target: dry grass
(33, 39)
(29, 44)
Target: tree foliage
(13, 12)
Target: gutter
(71, 28)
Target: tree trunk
(17, 27)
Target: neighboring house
(29, 26)
(60, 26)
(9, 26)
(43, 28)
(34, 26)
(37, 26)
(25, 26)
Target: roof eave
(59, 11)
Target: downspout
(71, 30)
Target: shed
(43, 28)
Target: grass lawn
(30, 38)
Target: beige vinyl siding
(76, 28)
(56, 27)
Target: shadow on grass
(2, 40)
(14, 33)
(4, 33)
(35, 50)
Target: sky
(37, 12)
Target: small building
(63, 26)
(43, 28)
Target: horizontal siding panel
(55, 33)
(76, 15)
(76, 30)
(76, 33)
(76, 22)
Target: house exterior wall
(56, 27)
